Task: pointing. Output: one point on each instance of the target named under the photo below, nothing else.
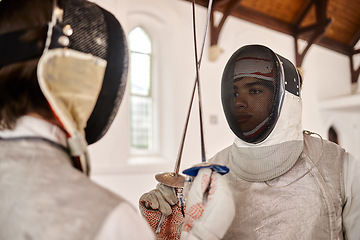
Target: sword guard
(171, 179)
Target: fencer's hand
(208, 217)
(161, 198)
(158, 202)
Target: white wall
(326, 75)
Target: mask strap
(13, 49)
(27, 50)
(57, 15)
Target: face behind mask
(260, 94)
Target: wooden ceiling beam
(321, 7)
(355, 39)
(317, 30)
(334, 45)
(262, 19)
(354, 72)
(215, 30)
(227, 6)
(303, 13)
(309, 30)
(233, 8)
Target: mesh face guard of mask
(253, 85)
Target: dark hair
(20, 93)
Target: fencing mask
(82, 69)
(253, 87)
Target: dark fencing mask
(83, 68)
(253, 86)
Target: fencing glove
(162, 203)
(210, 207)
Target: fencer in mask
(287, 183)
(63, 69)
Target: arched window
(141, 106)
(333, 137)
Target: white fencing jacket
(320, 201)
(42, 196)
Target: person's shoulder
(317, 141)
(323, 151)
(82, 186)
(124, 222)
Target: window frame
(148, 97)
